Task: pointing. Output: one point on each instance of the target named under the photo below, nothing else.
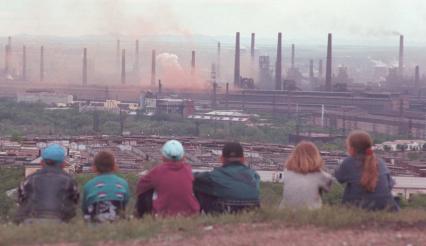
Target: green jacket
(232, 181)
(105, 187)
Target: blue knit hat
(54, 152)
(173, 150)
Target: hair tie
(369, 151)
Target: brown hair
(305, 158)
(104, 162)
(361, 143)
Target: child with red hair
(367, 179)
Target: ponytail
(370, 173)
(362, 143)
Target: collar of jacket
(233, 163)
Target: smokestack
(278, 65)
(160, 87)
(153, 68)
(227, 95)
(136, 65)
(41, 64)
(193, 62)
(311, 69)
(218, 61)
(8, 55)
(237, 61)
(292, 55)
(117, 54)
(320, 69)
(253, 36)
(417, 77)
(123, 66)
(401, 56)
(328, 69)
(84, 66)
(24, 63)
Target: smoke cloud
(174, 76)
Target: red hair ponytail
(361, 143)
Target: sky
(297, 19)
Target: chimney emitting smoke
(328, 69)
(278, 64)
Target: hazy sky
(299, 19)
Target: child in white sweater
(304, 179)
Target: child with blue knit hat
(49, 194)
(171, 183)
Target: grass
(327, 217)
(331, 216)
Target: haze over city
(296, 121)
(360, 22)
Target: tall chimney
(328, 69)
(278, 65)
(160, 87)
(218, 62)
(41, 64)
(213, 81)
(417, 77)
(9, 54)
(136, 65)
(123, 66)
(401, 56)
(193, 62)
(292, 55)
(117, 54)
(252, 44)
(153, 68)
(320, 69)
(237, 61)
(84, 66)
(311, 69)
(6, 59)
(24, 63)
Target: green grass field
(331, 216)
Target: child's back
(304, 180)
(304, 190)
(106, 195)
(172, 183)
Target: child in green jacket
(105, 196)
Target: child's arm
(146, 182)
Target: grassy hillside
(332, 216)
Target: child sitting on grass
(167, 189)
(304, 179)
(106, 195)
(367, 180)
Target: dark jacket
(349, 173)
(173, 186)
(48, 193)
(232, 181)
